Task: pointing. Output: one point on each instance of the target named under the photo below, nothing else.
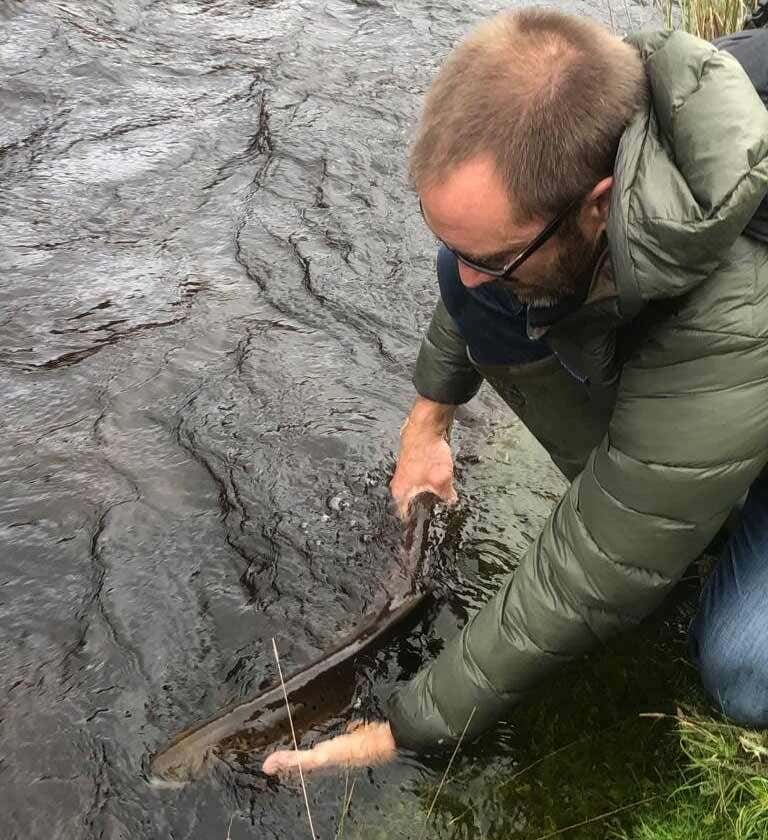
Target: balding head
(544, 95)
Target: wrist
(428, 419)
(385, 741)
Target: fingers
(280, 761)
(445, 494)
(403, 503)
(283, 761)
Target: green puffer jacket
(669, 425)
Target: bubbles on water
(339, 503)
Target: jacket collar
(601, 287)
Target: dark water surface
(213, 284)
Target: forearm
(368, 744)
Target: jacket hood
(691, 172)
(750, 49)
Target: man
(604, 267)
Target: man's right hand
(425, 462)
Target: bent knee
(737, 681)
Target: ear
(596, 205)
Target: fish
(322, 689)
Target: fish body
(316, 691)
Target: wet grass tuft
(724, 792)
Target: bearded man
(603, 264)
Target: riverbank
(723, 794)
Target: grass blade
(295, 742)
(447, 771)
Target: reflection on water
(214, 281)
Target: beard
(568, 274)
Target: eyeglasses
(516, 262)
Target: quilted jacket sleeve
(444, 372)
(688, 435)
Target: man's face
(471, 213)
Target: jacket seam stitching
(756, 340)
(600, 551)
(684, 467)
(692, 391)
(577, 604)
(684, 522)
(574, 603)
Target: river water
(214, 280)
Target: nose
(472, 278)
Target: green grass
(708, 19)
(724, 790)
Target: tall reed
(708, 19)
